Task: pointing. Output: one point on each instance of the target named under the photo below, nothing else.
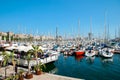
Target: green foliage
(21, 71)
(28, 57)
(36, 49)
(12, 56)
(0, 75)
(40, 67)
(13, 77)
(6, 57)
(12, 38)
(3, 37)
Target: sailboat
(90, 51)
(106, 51)
(80, 51)
(117, 44)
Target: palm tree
(13, 59)
(35, 51)
(39, 67)
(28, 57)
(28, 60)
(6, 58)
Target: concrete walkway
(47, 76)
(43, 76)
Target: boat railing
(45, 60)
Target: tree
(12, 57)
(28, 60)
(28, 57)
(6, 58)
(39, 68)
(35, 51)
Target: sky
(43, 16)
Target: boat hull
(90, 54)
(107, 55)
(79, 53)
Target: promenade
(47, 76)
(43, 76)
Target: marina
(82, 61)
(59, 39)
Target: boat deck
(43, 60)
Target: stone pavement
(47, 76)
(44, 76)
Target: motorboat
(89, 53)
(106, 52)
(79, 52)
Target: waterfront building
(3, 36)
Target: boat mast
(79, 29)
(108, 37)
(115, 32)
(119, 31)
(91, 26)
(90, 34)
(56, 35)
(105, 28)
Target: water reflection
(50, 68)
(79, 58)
(107, 61)
(94, 68)
(90, 59)
(65, 56)
(118, 57)
(53, 71)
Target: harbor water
(88, 68)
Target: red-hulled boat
(79, 53)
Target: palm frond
(40, 66)
(28, 57)
(6, 57)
